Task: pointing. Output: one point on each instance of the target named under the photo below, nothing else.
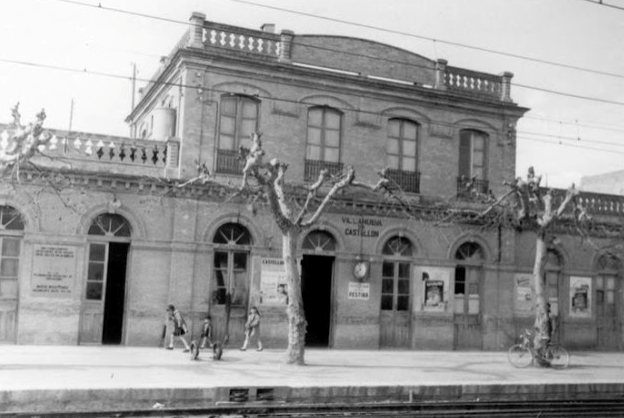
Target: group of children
(178, 329)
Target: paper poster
(359, 290)
(580, 296)
(435, 287)
(273, 285)
(524, 292)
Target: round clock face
(360, 270)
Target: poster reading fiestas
(580, 296)
(273, 286)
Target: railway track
(596, 408)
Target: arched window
(11, 232)
(469, 251)
(473, 161)
(238, 120)
(402, 154)
(110, 225)
(232, 241)
(397, 246)
(323, 141)
(319, 241)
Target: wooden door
(395, 317)
(467, 308)
(607, 324)
(9, 268)
(92, 316)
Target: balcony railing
(593, 203)
(228, 162)
(460, 79)
(313, 168)
(470, 189)
(408, 181)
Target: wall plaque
(53, 270)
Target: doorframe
(97, 239)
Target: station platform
(109, 378)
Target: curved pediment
(367, 58)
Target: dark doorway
(115, 293)
(316, 284)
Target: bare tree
(23, 142)
(292, 219)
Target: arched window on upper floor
(323, 143)
(472, 173)
(238, 119)
(402, 154)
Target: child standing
(179, 327)
(252, 327)
(206, 332)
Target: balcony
(471, 189)
(313, 168)
(407, 181)
(228, 162)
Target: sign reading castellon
(361, 227)
(54, 267)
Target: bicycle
(524, 354)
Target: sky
(562, 136)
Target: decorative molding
(441, 131)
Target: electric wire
(543, 90)
(85, 71)
(612, 6)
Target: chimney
(268, 27)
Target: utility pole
(134, 74)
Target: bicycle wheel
(559, 357)
(519, 356)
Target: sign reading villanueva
(361, 227)
(54, 267)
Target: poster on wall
(580, 296)
(53, 270)
(273, 285)
(359, 290)
(436, 285)
(524, 292)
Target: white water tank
(164, 123)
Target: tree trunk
(542, 313)
(296, 315)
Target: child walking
(252, 327)
(179, 327)
(206, 333)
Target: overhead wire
(145, 15)
(85, 71)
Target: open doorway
(316, 285)
(115, 293)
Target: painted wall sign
(359, 290)
(54, 269)
(580, 296)
(273, 286)
(361, 227)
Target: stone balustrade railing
(595, 204)
(87, 148)
(473, 82)
(241, 39)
